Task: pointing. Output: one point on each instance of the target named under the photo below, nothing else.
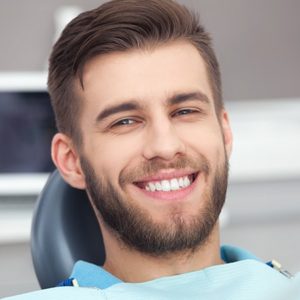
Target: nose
(163, 141)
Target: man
(136, 90)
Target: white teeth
(173, 184)
(165, 184)
(158, 186)
(152, 186)
(180, 182)
(186, 181)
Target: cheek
(205, 138)
(111, 156)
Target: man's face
(153, 149)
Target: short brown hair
(120, 25)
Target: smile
(167, 185)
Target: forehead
(144, 75)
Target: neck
(132, 266)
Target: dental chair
(64, 230)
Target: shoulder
(62, 293)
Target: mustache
(150, 168)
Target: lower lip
(171, 195)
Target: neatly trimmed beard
(134, 226)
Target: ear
(227, 133)
(66, 159)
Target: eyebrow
(182, 97)
(126, 106)
(134, 105)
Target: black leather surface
(64, 230)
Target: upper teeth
(168, 185)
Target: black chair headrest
(64, 230)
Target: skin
(157, 130)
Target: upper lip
(166, 175)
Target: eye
(184, 111)
(124, 122)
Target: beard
(134, 226)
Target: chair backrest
(64, 230)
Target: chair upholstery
(64, 230)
